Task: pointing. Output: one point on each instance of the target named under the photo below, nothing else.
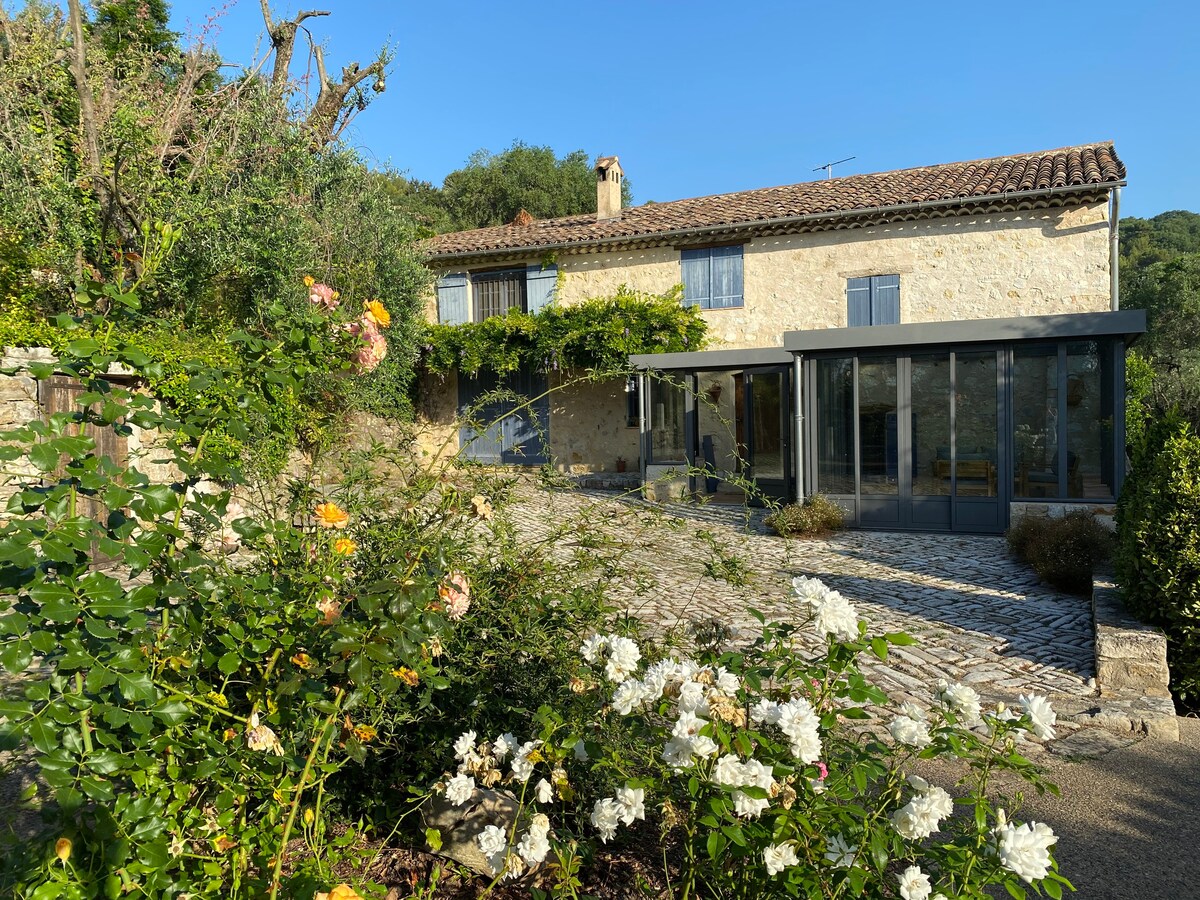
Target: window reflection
(835, 425)
(666, 408)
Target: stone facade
(970, 267)
(20, 404)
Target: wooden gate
(60, 394)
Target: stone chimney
(609, 176)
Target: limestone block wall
(436, 430)
(588, 429)
(18, 407)
(20, 404)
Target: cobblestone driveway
(979, 616)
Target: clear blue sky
(703, 97)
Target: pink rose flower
(324, 296)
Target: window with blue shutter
(873, 300)
(452, 299)
(712, 277)
(539, 286)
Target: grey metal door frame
(966, 513)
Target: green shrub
(1158, 545)
(1063, 551)
(816, 516)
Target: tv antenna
(828, 167)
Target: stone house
(932, 347)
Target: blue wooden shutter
(452, 299)
(885, 299)
(697, 283)
(539, 286)
(726, 277)
(858, 301)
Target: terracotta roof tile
(1090, 164)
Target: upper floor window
(873, 300)
(498, 292)
(712, 277)
(463, 297)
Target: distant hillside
(1165, 237)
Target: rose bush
(770, 774)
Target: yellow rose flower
(341, 892)
(407, 675)
(330, 515)
(376, 312)
(62, 849)
(344, 546)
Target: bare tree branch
(114, 212)
(283, 39)
(323, 118)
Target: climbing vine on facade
(597, 335)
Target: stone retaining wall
(1131, 665)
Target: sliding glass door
(909, 441)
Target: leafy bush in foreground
(1158, 545)
(816, 516)
(1063, 551)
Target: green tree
(492, 188)
(1170, 294)
(91, 149)
(1162, 238)
(139, 26)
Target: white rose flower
(628, 695)
(810, 590)
(922, 815)
(605, 816)
(678, 753)
(623, 656)
(765, 712)
(593, 648)
(839, 852)
(464, 747)
(704, 746)
(580, 750)
(914, 711)
(632, 803)
(962, 700)
(728, 771)
(459, 789)
(522, 768)
(914, 884)
(1041, 716)
(693, 697)
(727, 682)
(504, 745)
(493, 843)
(653, 685)
(748, 807)
(543, 791)
(533, 849)
(835, 615)
(535, 844)
(688, 725)
(777, 857)
(909, 731)
(798, 720)
(1025, 850)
